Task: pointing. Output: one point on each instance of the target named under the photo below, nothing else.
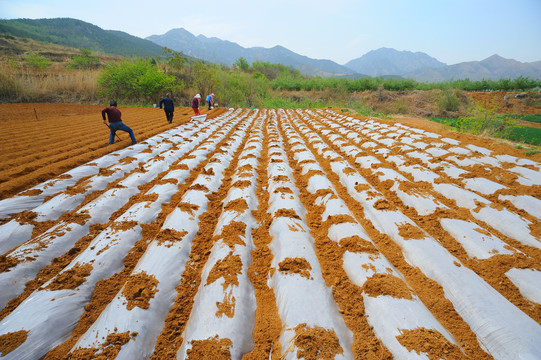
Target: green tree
(240, 89)
(204, 77)
(486, 120)
(85, 61)
(241, 64)
(174, 60)
(37, 61)
(448, 100)
(136, 80)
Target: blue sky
(452, 31)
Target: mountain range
(381, 62)
(226, 52)
(386, 61)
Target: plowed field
(265, 234)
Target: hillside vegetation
(80, 34)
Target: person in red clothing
(195, 104)
(115, 122)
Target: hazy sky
(452, 31)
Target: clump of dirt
(316, 343)
(7, 262)
(241, 184)
(357, 244)
(232, 233)
(139, 289)
(123, 225)
(430, 342)
(410, 232)
(167, 237)
(199, 187)
(296, 266)
(289, 213)
(72, 278)
(313, 172)
(31, 192)
(226, 307)
(108, 350)
(339, 219)
(362, 187)
(187, 207)
(419, 188)
(78, 218)
(245, 171)
(283, 190)
(211, 348)
(209, 171)
(238, 205)
(229, 268)
(11, 341)
(384, 204)
(179, 167)
(278, 178)
(384, 284)
(26, 217)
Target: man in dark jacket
(115, 122)
(168, 107)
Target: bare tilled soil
(271, 234)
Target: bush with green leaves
(279, 102)
(448, 100)
(84, 61)
(242, 64)
(135, 81)
(37, 61)
(174, 61)
(238, 89)
(203, 77)
(486, 120)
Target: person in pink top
(195, 104)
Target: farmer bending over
(115, 122)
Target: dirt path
(278, 234)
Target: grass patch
(536, 118)
(446, 121)
(286, 103)
(523, 134)
(364, 110)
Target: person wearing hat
(210, 100)
(168, 107)
(115, 122)
(195, 104)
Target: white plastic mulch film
(398, 204)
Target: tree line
(144, 81)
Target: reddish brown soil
(510, 102)
(41, 141)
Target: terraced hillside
(278, 234)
